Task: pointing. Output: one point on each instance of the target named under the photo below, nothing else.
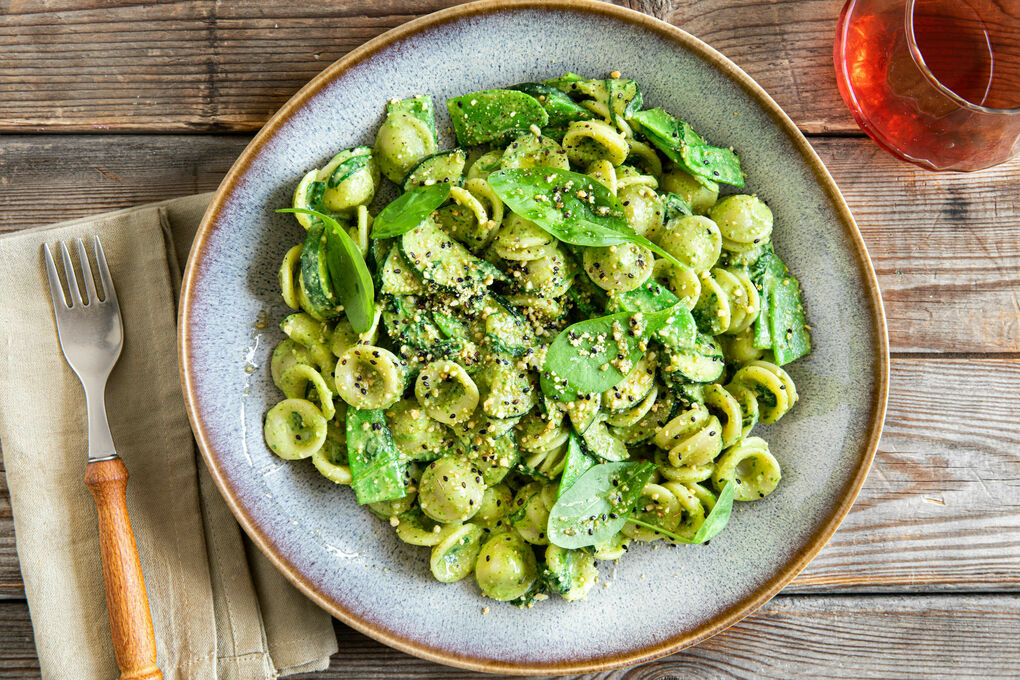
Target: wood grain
(925, 636)
(946, 246)
(134, 642)
(211, 66)
(939, 511)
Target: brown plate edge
(449, 657)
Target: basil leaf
(587, 353)
(409, 210)
(710, 528)
(578, 462)
(596, 506)
(574, 208)
(682, 145)
(348, 273)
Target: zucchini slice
(512, 392)
(632, 390)
(344, 164)
(443, 262)
(445, 166)
(451, 326)
(505, 328)
(702, 364)
(584, 411)
(597, 441)
(408, 325)
(315, 275)
(396, 276)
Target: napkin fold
(219, 608)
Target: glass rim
(915, 53)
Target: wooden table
(107, 104)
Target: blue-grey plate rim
(748, 604)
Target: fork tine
(109, 294)
(56, 290)
(72, 280)
(86, 272)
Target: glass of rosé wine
(934, 82)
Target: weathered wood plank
(930, 637)
(940, 508)
(11, 585)
(205, 65)
(939, 511)
(946, 246)
(49, 178)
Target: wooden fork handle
(134, 642)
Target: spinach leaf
(409, 210)
(578, 462)
(375, 461)
(596, 506)
(574, 208)
(680, 332)
(556, 387)
(710, 528)
(682, 145)
(348, 273)
(586, 355)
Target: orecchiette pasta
(700, 194)
(402, 141)
(295, 429)
(556, 342)
(588, 141)
(369, 377)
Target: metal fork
(91, 337)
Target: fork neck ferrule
(100, 439)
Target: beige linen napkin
(220, 611)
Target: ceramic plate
(656, 600)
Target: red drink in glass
(935, 82)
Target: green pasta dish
(555, 341)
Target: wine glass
(934, 82)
